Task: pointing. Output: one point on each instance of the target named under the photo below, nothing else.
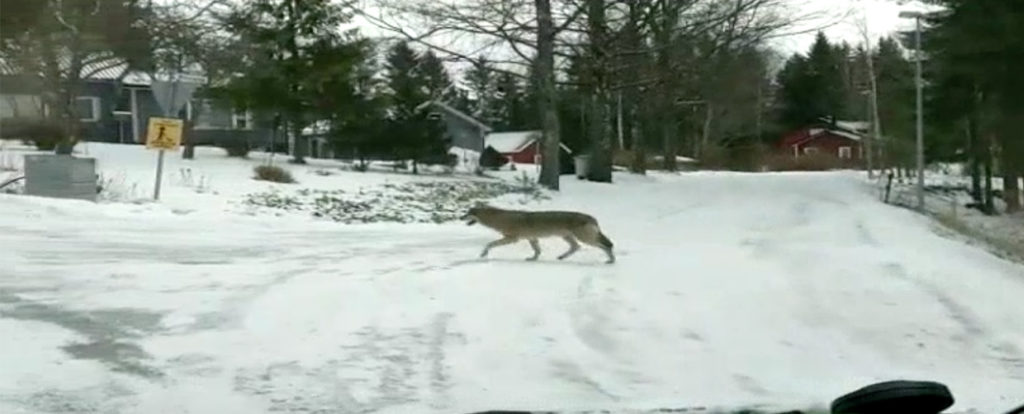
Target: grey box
(60, 176)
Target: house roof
(102, 68)
(514, 141)
(455, 112)
(817, 132)
(855, 126)
(845, 134)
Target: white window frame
(200, 120)
(810, 150)
(95, 108)
(236, 116)
(846, 153)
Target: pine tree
(796, 94)
(481, 83)
(510, 106)
(283, 39)
(435, 77)
(980, 41)
(896, 102)
(414, 134)
(824, 74)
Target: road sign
(172, 95)
(164, 133)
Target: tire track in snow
(975, 333)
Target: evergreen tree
(435, 77)
(896, 102)
(283, 40)
(979, 43)
(481, 82)
(815, 87)
(510, 104)
(796, 94)
(358, 113)
(824, 75)
(413, 81)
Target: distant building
(115, 105)
(520, 147)
(843, 140)
(465, 132)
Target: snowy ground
(947, 197)
(731, 290)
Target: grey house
(115, 106)
(467, 134)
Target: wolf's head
(472, 216)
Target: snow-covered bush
(416, 202)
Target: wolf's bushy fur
(516, 225)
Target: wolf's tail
(604, 240)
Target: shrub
(238, 148)
(273, 173)
(490, 158)
(45, 134)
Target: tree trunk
(189, 151)
(600, 168)
(990, 205)
(663, 31)
(705, 132)
(668, 139)
(974, 149)
(548, 99)
(876, 123)
(300, 146)
(1011, 173)
(67, 95)
(639, 147)
(1011, 189)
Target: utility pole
(920, 103)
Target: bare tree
(654, 39)
(876, 123)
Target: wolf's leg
(500, 242)
(536, 249)
(573, 247)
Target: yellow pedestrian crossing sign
(164, 133)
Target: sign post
(163, 134)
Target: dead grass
(811, 162)
(1002, 247)
(273, 173)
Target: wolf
(515, 225)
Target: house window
(845, 152)
(810, 150)
(201, 113)
(88, 108)
(241, 120)
(21, 106)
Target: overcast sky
(843, 18)
(839, 19)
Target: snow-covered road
(783, 290)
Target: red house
(842, 141)
(520, 147)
